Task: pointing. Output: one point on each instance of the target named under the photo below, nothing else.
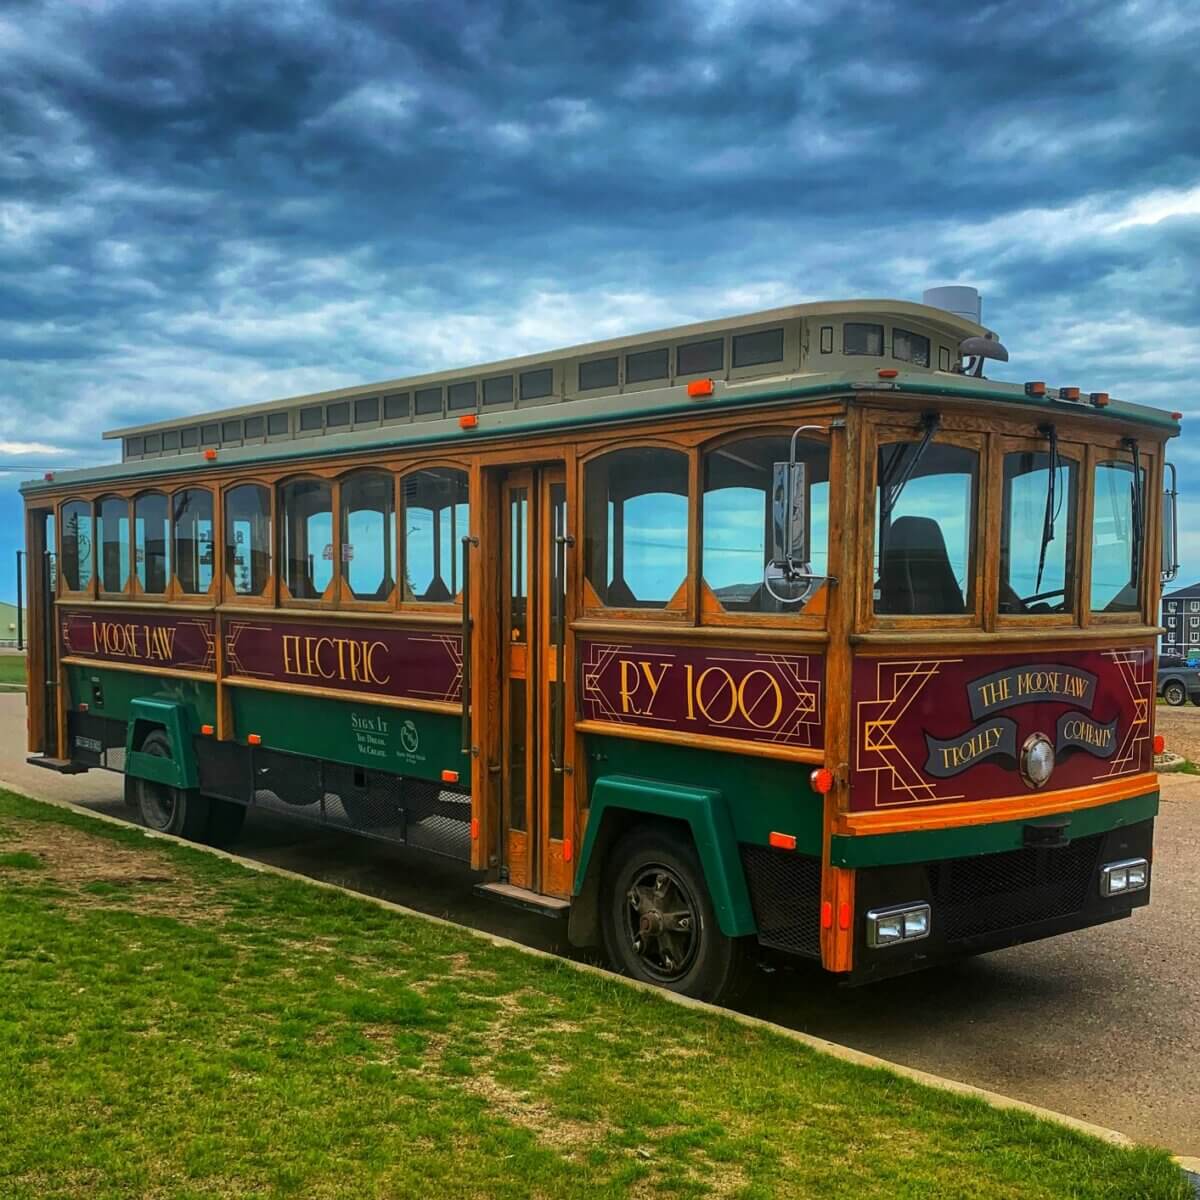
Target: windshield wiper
(1049, 518)
(1136, 513)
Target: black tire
(653, 877)
(225, 821)
(167, 809)
(1174, 693)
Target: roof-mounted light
(699, 388)
(1099, 399)
(1068, 393)
(1035, 388)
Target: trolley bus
(788, 630)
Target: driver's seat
(916, 577)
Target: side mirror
(788, 497)
(1170, 529)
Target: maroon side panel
(381, 660)
(184, 643)
(934, 729)
(764, 697)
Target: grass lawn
(175, 1025)
(12, 672)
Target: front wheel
(1174, 693)
(658, 921)
(169, 809)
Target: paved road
(1103, 1024)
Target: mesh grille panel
(785, 892)
(1002, 891)
(224, 769)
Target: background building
(1181, 619)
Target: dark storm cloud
(204, 204)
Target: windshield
(1037, 540)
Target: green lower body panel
(960, 841)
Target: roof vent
(962, 301)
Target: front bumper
(990, 901)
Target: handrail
(468, 626)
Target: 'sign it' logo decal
(409, 738)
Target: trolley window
(306, 530)
(113, 537)
(1118, 531)
(152, 542)
(1037, 536)
(369, 535)
(77, 557)
(738, 535)
(193, 537)
(248, 539)
(636, 526)
(925, 515)
(436, 519)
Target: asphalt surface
(1103, 1025)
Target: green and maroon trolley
(789, 629)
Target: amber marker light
(699, 388)
(1160, 743)
(474, 829)
(782, 841)
(210, 455)
(1036, 388)
(844, 916)
(48, 477)
(1099, 399)
(888, 372)
(1071, 393)
(468, 421)
(207, 730)
(826, 915)
(254, 739)
(449, 776)
(83, 707)
(568, 850)
(1174, 417)
(822, 781)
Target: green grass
(172, 1024)
(12, 672)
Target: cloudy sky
(211, 203)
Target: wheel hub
(662, 922)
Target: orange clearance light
(844, 916)
(449, 776)
(1068, 393)
(1174, 417)
(254, 739)
(83, 708)
(210, 455)
(468, 421)
(782, 841)
(568, 850)
(1036, 388)
(1160, 743)
(826, 915)
(207, 730)
(700, 387)
(1099, 399)
(822, 781)
(474, 829)
(888, 372)
(49, 477)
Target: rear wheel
(658, 921)
(1174, 693)
(167, 809)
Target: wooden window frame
(346, 599)
(783, 621)
(268, 597)
(888, 430)
(65, 593)
(411, 467)
(175, 592)
(125, 592)
(684, 613)
(136, 591)
(1076, 452)
(328, 598)
(1111, 450)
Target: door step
(64, 766)
(506, 893)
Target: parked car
(1178, 682)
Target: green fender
(704, 811)
(175, 720)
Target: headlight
(1117, 878)
(1037, 759)
(904, 923)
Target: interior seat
(916, 576)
